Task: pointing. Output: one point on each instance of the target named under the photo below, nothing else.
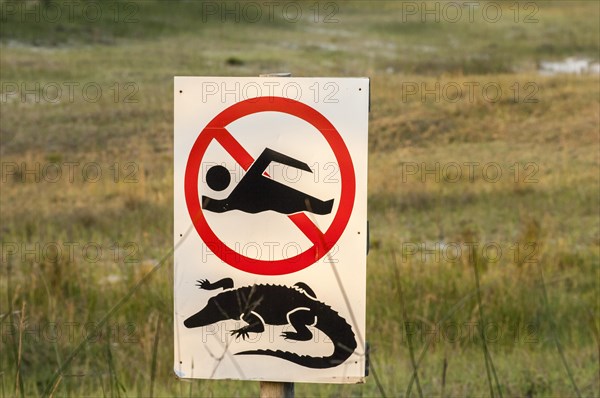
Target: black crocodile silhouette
(277, 305)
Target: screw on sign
(256, 192)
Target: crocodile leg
(255, 325)
(225, 283)
(299, 320)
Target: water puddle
(571, 65)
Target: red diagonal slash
(244, 159)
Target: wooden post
(271, 389)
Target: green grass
(555, 210)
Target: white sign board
(270, 230)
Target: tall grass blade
(110, 369)
(11, 312)
(191, 382)
(594, 328)
(376, 377)
(349, 307)
(154, 356)
(553, 328)
(114, 379)
(408, 334)
(454, 308)
(18, 379)
(444, 369)
(489, 364)
(55, 386)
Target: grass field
(86, 130)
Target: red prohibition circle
(322, 242)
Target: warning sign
(270, 228)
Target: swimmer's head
(218, 178)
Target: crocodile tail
(336, 328)
(304, 360)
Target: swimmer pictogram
(256, 192)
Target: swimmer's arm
(269, 155)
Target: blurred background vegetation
(538, 297)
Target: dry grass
(554, 209)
